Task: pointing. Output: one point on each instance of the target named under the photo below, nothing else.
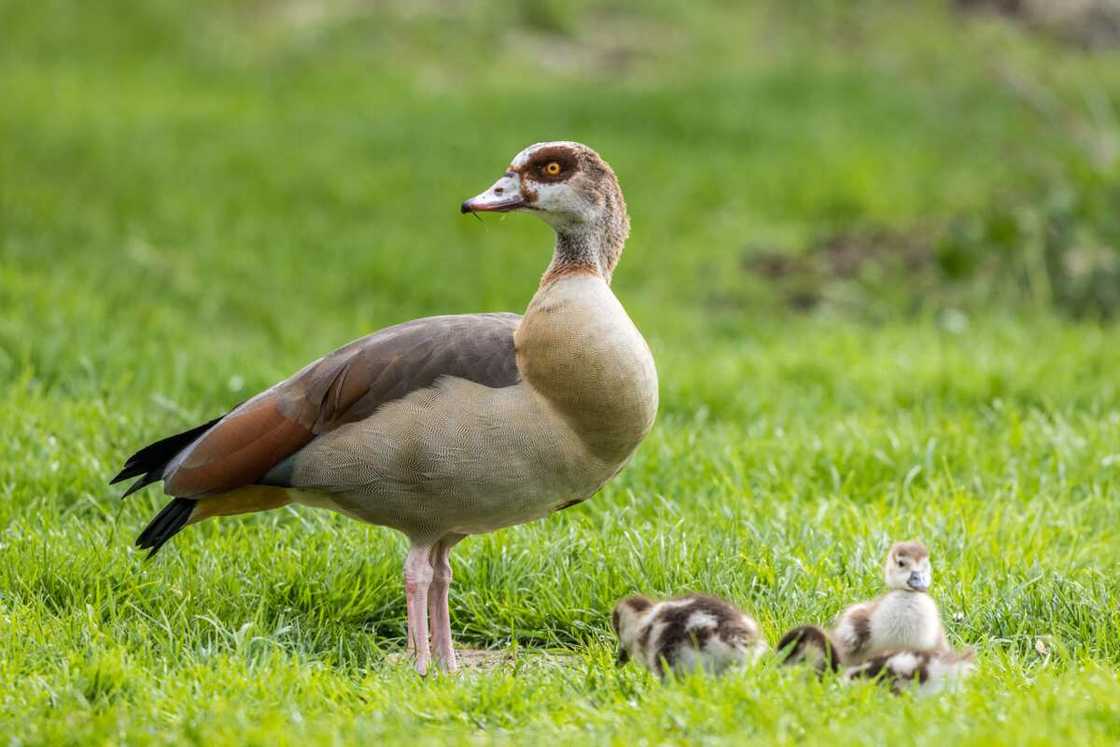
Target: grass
(196, 202)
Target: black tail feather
(151, 460)
(143, 482)
(165, 525)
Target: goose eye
(552, 168)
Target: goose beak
(918, 581)
(502, 197)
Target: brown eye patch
(553, 165)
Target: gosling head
(569, 187)
(626, 621)
(908, 568)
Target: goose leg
(417, 581)
(439, 610)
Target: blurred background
(233, 188)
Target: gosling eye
(902, 564)
(552, 168)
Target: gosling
(810, 644)
(694, 632)
(905, 618)
(926, 672)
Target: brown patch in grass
(805, 278)
(1092, 24)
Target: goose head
(571, 188)
(908, 567)
(626, 621)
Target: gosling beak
(918, 581)
(622, 658)
(502, 197)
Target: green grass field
(197, 202)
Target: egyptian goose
(927, 672)
(906, 617)
(451, 425)
(685, 634)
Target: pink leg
(411, 646)
(417, 581)
(440, 612)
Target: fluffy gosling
(811, 645)
(685, 634)
(905, 618)
(927, 672)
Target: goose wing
(346, 386)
